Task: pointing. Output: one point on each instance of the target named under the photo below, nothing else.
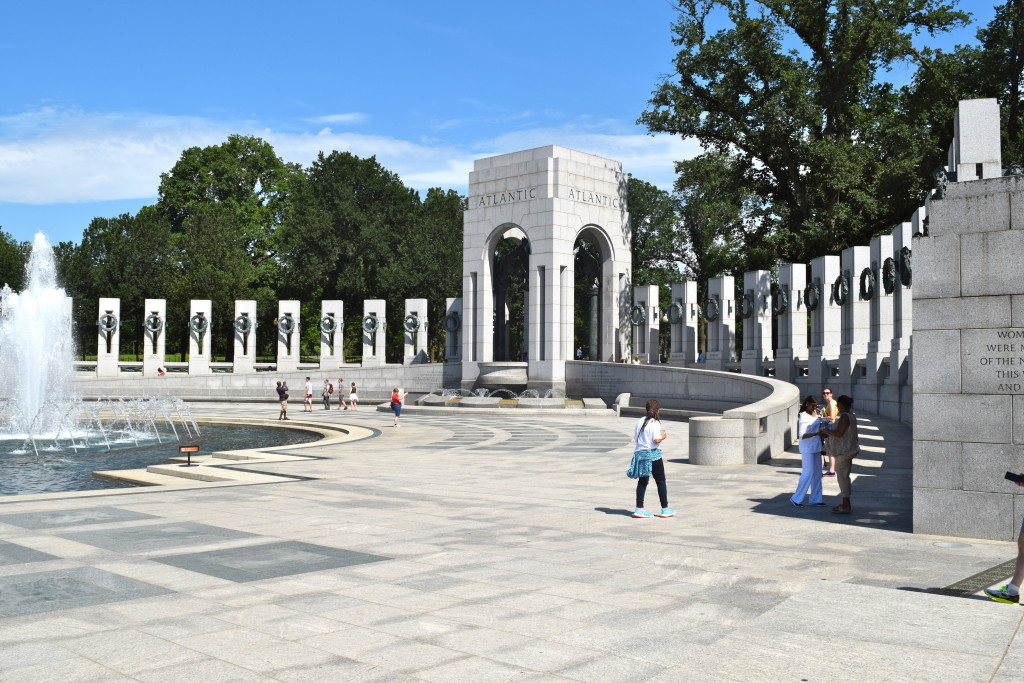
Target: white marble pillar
(856, 319)
(415, 328)
(683, 317)
(289, 313)
(154, 337)
(881, 317)
(453, 330)
(108, 349)
(374, 329)
(755, 310)
(332, 334)
(788, 306)
(902, 308)
(825, 322)
(644, 317)
(200, 336)
(243, 333)
(720, 311)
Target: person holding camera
(1010, 593)
(844, 445)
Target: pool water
(23, 473)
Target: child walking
(648, 435)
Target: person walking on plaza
(341, 395)
(808, 431)
(648, 435)
(353, 397)
(844, 445)
(829, 412)
(307, 402)
(1011, 592)
(282, 396)
(325, 394)
(396, 404)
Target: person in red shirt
(396, 404)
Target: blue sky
(100, 98)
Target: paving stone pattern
(489, 548)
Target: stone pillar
(332, 334)
(374, 329)
(856, 320)
(243, 333)
(825, 322)
(108, 349)
(720, 312)
(894, 393)
(755, 310)
(453, 330)
(869, 286)
(289, 312)
(975, 152)
(645, 318)
(685, 310)
(415, 327)
(968, 341)
(154, 337)
(200, 337)
(788, 305)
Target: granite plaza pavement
(471, 547)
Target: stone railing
(758, 414)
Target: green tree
(348, 234)
(657, 242)
(991, 68)
(13, 257)
(127, 257)
(794, 90)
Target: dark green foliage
(814, 131)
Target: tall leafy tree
(347, 236)
(794, 90)
(994, 67)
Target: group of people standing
(325, 395)
(326, 392)
(829, 442)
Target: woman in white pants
(808, 431)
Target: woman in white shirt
(648, 435)
(808, 431)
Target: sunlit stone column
(415, 328)
(880, 305)
(154, 338)
(288, 329)
(788, 306)
(683, 316)
(374, 328)
(720, 311)
(243, 331)
(332, 334)
(645, 333)
(200, 335)
(856, 320)
(757, 321)
(108, 349)
(825, 321)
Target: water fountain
(41, 410)
(36, 347)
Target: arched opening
(587, 289)
(511, 293)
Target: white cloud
(52, 156)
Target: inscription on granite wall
(993, 361)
